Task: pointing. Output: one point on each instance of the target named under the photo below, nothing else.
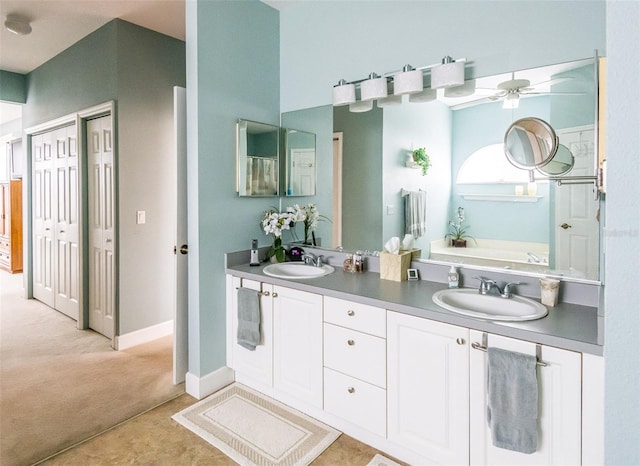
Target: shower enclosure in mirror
(257, 159)
(557, 225)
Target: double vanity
(382, 362)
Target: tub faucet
(533, 257)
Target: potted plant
(421, 159)
(309, 215)
(458, 233)
(274, 223)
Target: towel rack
(261, 293)
(406, 192)
(483, 347)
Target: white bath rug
(255, 430)
(380, 460)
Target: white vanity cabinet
(428, 388)
(297, 344)
(355, 372)
(257, 364)
(559, 406)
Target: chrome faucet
(533, 257)
(491, 287)
(312, 259)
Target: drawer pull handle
(350, 312)
(460, 341)
(351, 342)
(351, 390)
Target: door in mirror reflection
(300, 163)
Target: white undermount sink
(469, 302)
(296, 270)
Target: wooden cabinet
(355, 373)
(559, 407)
(11, 226)
(297, 344)
(428, 388)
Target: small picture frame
(412, 274)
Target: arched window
(489, 165)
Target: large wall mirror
(541, 227)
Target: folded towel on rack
(512, 395)
(415, 213)
(248, 318)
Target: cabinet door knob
(350, 312)
(351, 342)
(460, 341)
(351, 390)
(275, 295)
(265, 293)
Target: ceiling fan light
(344, 93)
(409, 81)
(427, 95)
(512, 100)
(449, 74)
(17, 24)
(373, 88)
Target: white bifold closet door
(56, 231)
(101, 225)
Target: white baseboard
(200, 387)
(144, 335)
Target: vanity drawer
(368, 319)
(358, 402)
(356, 354)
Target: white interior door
(67, 230)
(180, 335)
(576, 209)
(303, 171)
(101, 247)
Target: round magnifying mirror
(530, 143)
(561, 163)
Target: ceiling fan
(513, 89)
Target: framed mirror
(300, 160)
(257, 159)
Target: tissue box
(394, 266)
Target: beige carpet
(255, 430)
(60, 385)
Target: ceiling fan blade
(551, 82)
(551, 93)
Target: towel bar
(479, 347)
(262, 293)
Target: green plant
(421, 159)
(457, 232)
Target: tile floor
(153, 438)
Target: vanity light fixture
(361, 106)
(390, 101)
(17, 24)
(467, 89)
(409, 81)
(448, 74)
(427, 95)
(375, 87)
(511, 100)
(344, 93)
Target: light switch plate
(141, 217)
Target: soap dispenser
(453, 277)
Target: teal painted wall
(13, 87)
(233, 72)
(81, 76)
(137, 68)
